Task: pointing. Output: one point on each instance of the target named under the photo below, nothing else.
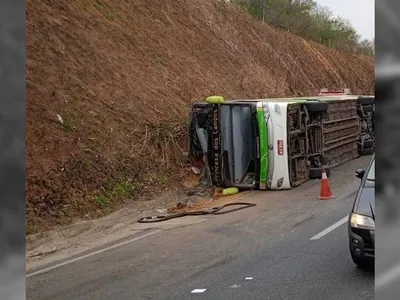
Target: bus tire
(366, 108)
(367, 144)
(367, 151)
(366, 101)
(316, 173)
(325, 160)
(317, 107)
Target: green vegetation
(102, 200)
(100, 6)
(119, 190)
(67, 126)
(310, 20)
(123, 189)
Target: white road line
(198, 291)
(45, 270)
(330, 228)
(388, 277)
(248, 278)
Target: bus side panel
(279, 147)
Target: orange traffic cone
(326, 193)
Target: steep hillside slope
(109, 84)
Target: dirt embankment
(109, 85)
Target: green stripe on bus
(262, 127)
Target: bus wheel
(316, 173)
(317, 107)
(366, 108)
(367, 151)
(367, 144)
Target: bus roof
(301, 99)
(293, 100)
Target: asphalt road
(265, 252)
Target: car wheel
(362, 263)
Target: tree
(308, 19)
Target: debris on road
(196, 170)
(210, 211)
(44, 253)
(211, 205)
(230, 191)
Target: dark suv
(362, 219)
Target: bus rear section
(308, 136)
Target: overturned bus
(279, 143)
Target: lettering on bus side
(277, 109)
(258, 146)
(215, 157)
